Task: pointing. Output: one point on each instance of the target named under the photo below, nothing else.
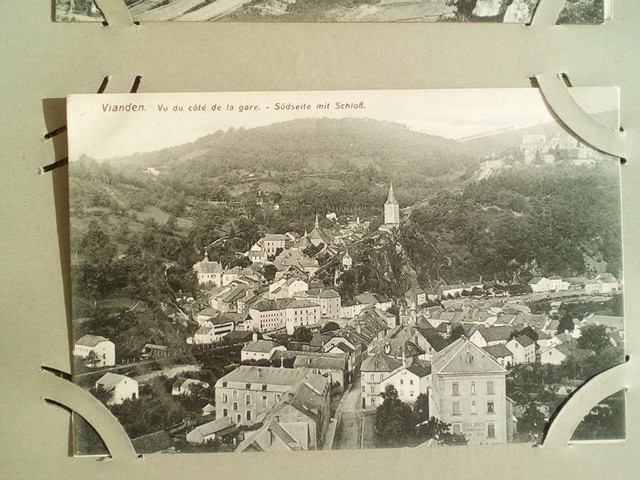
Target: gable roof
(494, 333)
(380, 362)
(91, 340)
(110, 380)
(260, 346)
(464, 357)
(264, 375)
(327, 362)
(498, 351)
(524, 340)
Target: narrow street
(354, 428)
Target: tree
(102, 394)
(456, 332)
(532, 422)
(594, 338)
(434, 429)
(269, 272)
(464, 8)
(421, 407)
(302, 335)
(329, 327)
(395, 421)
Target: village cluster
(279, 398)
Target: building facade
(468, 391)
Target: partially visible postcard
(507, 11)
(342, 269)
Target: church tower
(391, 210)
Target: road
(354, 426)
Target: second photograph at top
(507, 11)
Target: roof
(203, 330)
(109, 380)
(91, 340)
(208, 312)
(218, 425)
(380, 362)
(498, 351)
(275, 237)
(327, 362)
(606, 320)
(263, 375)
(464, 357)
(188, 383)
(524, 340)
(495, 333)
(302, 304)
(607, 278)
(420, 368)
(153, 442)
(414, 291)
(261, 346)
(206, 266)
(536, 280)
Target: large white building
(101, 350)
(468, 391)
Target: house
(523, 349)
(272, 242)
(301, 313)
(377, 300)
(247, 392)
(404, 341)
(409, 380)
(266, 316)
(298, 422)
(602, 284)
(208, 271)
(468, 391)
(544, 284)
(287, 288)
(484, 336)
(209, 431)
(332, 367)
(186, 386)
(260, 350)
(295, 258)
(458, 289)
(119, 387)
(257, 254)
(415, 297)
(501, 353)
(317, 236)
(373, 371)
(557, 354)
(204, 315)
(216, 328)
(329, 300)
(96, 350)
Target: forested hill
(312, 146)
(553, 220)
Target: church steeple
(391, 199)
(317, 221)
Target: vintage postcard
(341, 269)
(508, 11)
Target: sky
(99, 133)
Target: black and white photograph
(507, 11)
(341, 270)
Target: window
(410, 382)
(264, 400)
(248, 415)
(247, 399)
(474, 411)
(238, 418)
(225, 399)
(248, 386)
(491, 430)
(381, 376)
(264, 388)
(234, 394)
(224, 384)
(225, 412)
(455, 389)
(473, 388)
(490, 407)
(235, 406)
(373, 401)
(411, 393)
(401, 381)
(278, 396)
(456, 408)
(373, 389)
(372, 378)
(490, 387)
(455, 428)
